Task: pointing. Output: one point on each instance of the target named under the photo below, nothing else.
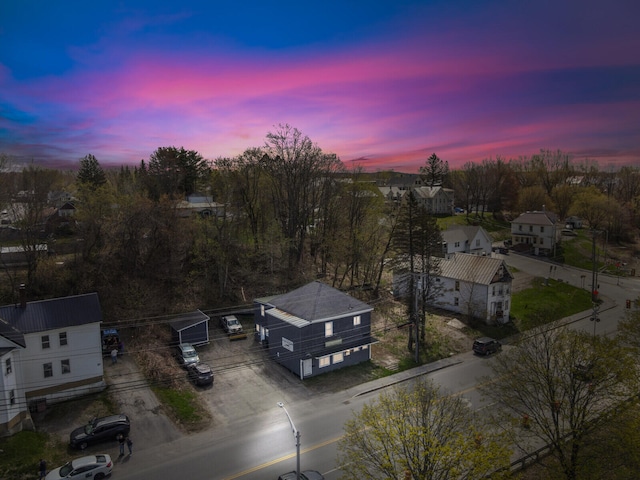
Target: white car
(96, 467)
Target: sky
(382, 84)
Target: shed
(192, 327)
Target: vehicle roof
(202, 367)
(484, 340)
(112, 419)
(84, 461)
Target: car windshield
(66, 469)
(233, 321)
(189, 353)
(88, 428)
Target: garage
(192, 327)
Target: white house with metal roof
(473, 285)
(476, 286)
(50, 352)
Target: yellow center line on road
(281, 459)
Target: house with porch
(50, 351)
(314, 329)
(536, 232)
(473, 285)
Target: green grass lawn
(557, 300)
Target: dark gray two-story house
(314, 329)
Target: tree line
(286, 212)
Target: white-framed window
(356, 320)
(328, 329)
(493, 290)
(456, 244)
(324, 362)
(520, 228)
(541, 229)
(63, 338)
(46, 343)
(65, 366)
(457, 287)
(12, 397)
(338, 357)
(7, 366)
(48, 370)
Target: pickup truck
(232, 326)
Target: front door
(307, 367)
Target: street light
(296, 435)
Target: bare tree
(298, 171)
(562, 385)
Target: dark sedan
(99, 430)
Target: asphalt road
(260, 445)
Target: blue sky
(381, 84)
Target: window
(48, 370)
(356, 320)
(65, 366)
(541, 229)
(338, 357)
(7, 366)
(531, 228)
(456, 244)
(12, 397)
(541, 241)
(328, 329)
(519, 228)
(45, 341)
(457, 285)
(63, 338)
(493, 290)
(506, 304)
(455, 301)
(324, 362)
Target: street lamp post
(296, 435)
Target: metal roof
(473, 268)
(317, 301)
(187, 320)
(11, 333)
(54, 313)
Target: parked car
(96, 467)
(98, 430)
(187, 355)
(306, 475)
(231, 325)
(486, 346)
(200, 374)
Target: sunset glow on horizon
(381, 84)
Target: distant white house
(466, 239)
(535, 231)
(50, 351)
(437, 200)
(473, 285)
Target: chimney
(23, 296)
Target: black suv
(486, 346)
(100, 430)
(200, 373)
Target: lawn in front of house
(555, 298)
